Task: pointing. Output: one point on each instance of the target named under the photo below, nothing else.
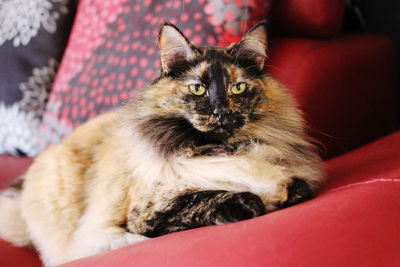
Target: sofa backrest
(308, 18)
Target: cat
(213, 140)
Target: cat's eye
(238, 88)
(197, 89)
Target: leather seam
(373, 181)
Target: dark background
(376, 16)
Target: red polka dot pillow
(113, 52)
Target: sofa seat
(354, 219)
(11, 168)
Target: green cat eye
(238, 88)
(197, 89)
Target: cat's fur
(169, 160)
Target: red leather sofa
(346, 86)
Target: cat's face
(217, 95)
(217, 90)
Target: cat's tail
(12, 225)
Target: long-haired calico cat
(213, 140)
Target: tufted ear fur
(253, 45)
(174, 47)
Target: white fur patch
(12, 226)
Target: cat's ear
(253, 45)
(174, 47)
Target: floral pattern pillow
(33, 35)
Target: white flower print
(36, 91)
(20, 20)
(18, 131)
(20, 122)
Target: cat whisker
(273, 67)
(252, 66)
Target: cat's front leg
(91, 240)
(200, 208)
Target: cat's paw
(102, 240)
(126, 239)
(238, 207)
(297, 191)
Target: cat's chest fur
(248, 170)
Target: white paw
(126, 239)
(101, 242)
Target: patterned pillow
(113, 51)
(33, 35)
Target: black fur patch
(179, 68)
(201, 208)
(216, 77)
(211, 54)
(18, 184)
(174, 134)
(298, 191)
(124, 226)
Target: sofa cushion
(346, 87)
(355, 226)
(15, 256)
(352, 222)
(311, 18)
(32, 40)
(12, 167)
(113, 51)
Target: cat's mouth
(216, 128)
(215, 132)
(217, 135)
(221, 130)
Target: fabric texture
(14, 256)
(12, 167)
(345, 86)
(307, 18)
(33, 36)
(113, 51)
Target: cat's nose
(221, 112)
